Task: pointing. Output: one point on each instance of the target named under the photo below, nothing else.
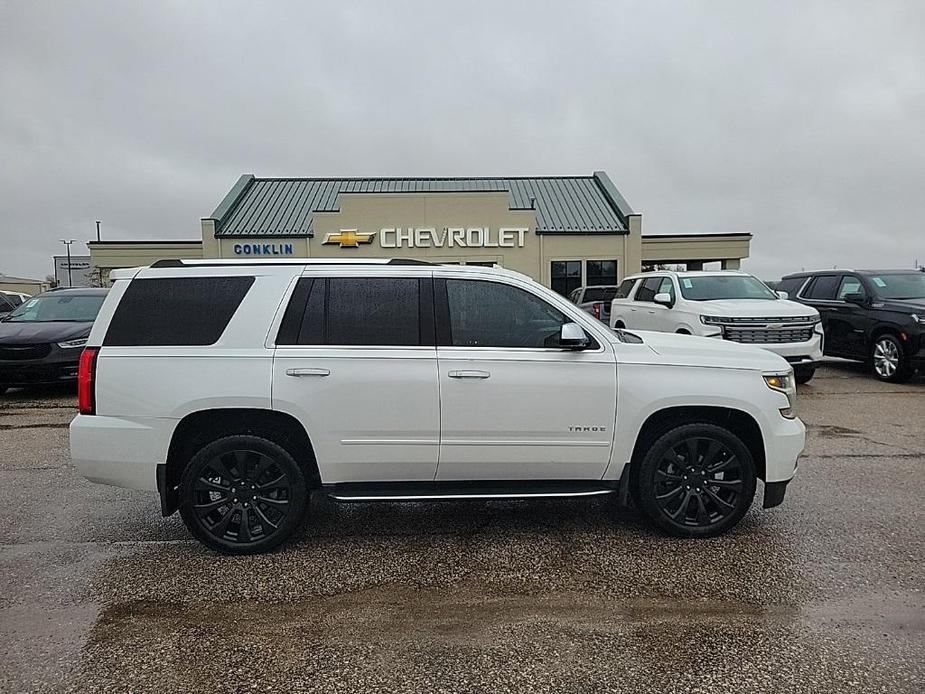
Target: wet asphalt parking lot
(823, 594)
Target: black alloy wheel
(889, 359)
(242, 495)
(697, 480)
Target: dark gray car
(41, 340)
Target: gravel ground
(98, 593)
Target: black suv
(41, 340)
(877, 316)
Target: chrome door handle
(308, 372)
(469, 374)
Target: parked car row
(876, 316)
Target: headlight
(783, 382)
(918, 319)
(711, 320)
(72, 344)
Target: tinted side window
(791, 286)
(666, 286)
(823, 288)
(179, 311)
(380, 311)
(489, 314)
(649, 289)
(849, 285)
(625, 289)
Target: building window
(566, 276)
(601, 272)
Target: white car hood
(688, 350)
(753, 308)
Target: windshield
(907, 285)
(711, 287)
(60, 308)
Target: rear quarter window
(176, 311)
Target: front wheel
(697, 480)
(804, 374)
(889, 359)
(242, 494)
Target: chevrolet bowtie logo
(348, 238)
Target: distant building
(564, 231)
(81, 272)
(22, 285)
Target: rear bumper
(120, 452)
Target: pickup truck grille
(21, 352)
(767, 336)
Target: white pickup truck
(728, 305)
(235, 389)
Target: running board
(462, 491)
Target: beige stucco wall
(108, 255)
(370, 213)
(23, 286)
(704, 247)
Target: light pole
(67, 244)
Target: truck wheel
(697, 480)
(804, 374)
(889, 359)
(242, 494)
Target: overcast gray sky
(802, 122)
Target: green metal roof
(284, 206)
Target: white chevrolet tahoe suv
(729, 305)
(234, 390)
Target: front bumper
(36, 373)
(806, 352)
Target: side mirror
(573, 336)
(855, 298)
(664, 298)
(782, 295)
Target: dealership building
(564, 231)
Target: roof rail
(224, 262)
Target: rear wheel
(889, 359)
(242, 495)
(804, 374)
(696, 480)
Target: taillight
(596, 310)
(86, 381)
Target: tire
(888, 359)
(804, 374)
(680, 459)
(683, 331)
(218, 515)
